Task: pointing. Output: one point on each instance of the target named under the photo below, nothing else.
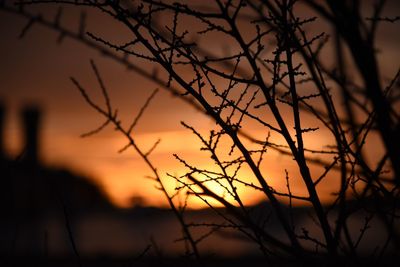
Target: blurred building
(38, 204)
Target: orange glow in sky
(123, 175)
(37, 70)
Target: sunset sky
(36, 70)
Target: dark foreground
(7, 260)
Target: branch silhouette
(277, 75)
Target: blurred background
(102, 198)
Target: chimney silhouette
(31, 120)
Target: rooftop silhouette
(34, 194)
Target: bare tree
(275, 87)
